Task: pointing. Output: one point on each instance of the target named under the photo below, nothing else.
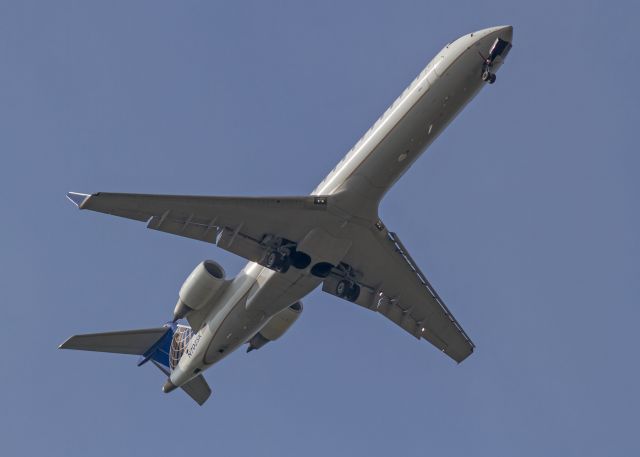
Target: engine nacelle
(201, 287)
(276, 327)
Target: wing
(393, 285)
(242, 225)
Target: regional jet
(332, 238)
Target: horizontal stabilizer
(198, 389)
(135, 342)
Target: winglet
(77, 198)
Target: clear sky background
(523, 215)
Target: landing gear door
(500, 48)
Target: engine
(276, 327)
(201, 287)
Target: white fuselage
(361, 179)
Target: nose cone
(168, 386)
(506, 33)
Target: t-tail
(162, 346)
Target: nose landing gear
(500, 48)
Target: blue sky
(523, 215)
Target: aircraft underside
(333, 238)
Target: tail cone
(168, 386)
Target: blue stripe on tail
(159, 352)
(170, 347)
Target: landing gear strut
(348, 290)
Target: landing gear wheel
(278, 262)
(347, 290)
(284, 265)
(354, 293)
(341, 288)
(487, 76)
(272, 260)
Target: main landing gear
(348, 290)
(278, 260)
(282, 254)
(347, 287)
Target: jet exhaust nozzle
(180, 311)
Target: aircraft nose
(506, 33)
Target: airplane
(333, 238)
